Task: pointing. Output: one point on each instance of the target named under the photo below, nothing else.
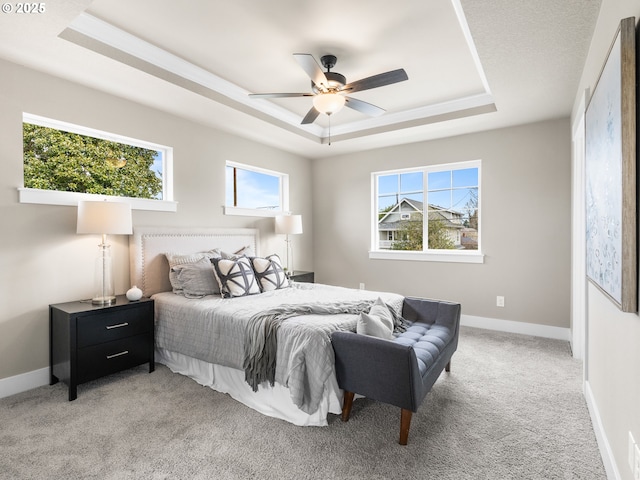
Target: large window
(432, 210)
(64, 163)
(255, 191)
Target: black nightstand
(301, 276)
(88, 341)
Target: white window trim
(57, 197)
(453, 256)
(259, 212)
(450, 256)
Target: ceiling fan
(330, 89)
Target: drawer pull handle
(109, 327)
(109, 357)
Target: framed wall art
(610, 156)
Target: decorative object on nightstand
(113, 218)
(302, 276)
(134, 294)
(289, 225)
(87, 341)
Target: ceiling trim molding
(464, 26)
(420, 113)
(107, 34)
(102, 37)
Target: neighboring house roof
(415, 204)
(435, 213)
(438, 215)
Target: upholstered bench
(400, 371)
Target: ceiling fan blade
(376, 81)
(311, 67)
(279, 95)
(310, 116)
(364, 107)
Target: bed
(286, 373)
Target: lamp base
(103, 301)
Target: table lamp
(289, 225)
(105, 218)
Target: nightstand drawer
(106, 327)
(105, 358)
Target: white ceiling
(472, 65)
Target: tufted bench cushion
(427, 341)
(400, 371)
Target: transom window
(64, 163)
(255, 191)
(447, 196)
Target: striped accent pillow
(270, 273)
(235, 277)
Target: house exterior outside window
(448, 196)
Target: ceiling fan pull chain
(329, 129)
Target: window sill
(251, 212)
(450, 257)
(54, 197)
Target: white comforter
(214, 330)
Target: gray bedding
(216, 330)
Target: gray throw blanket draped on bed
(262, 331)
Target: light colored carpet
(511, 408)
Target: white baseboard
(603, 443)
(510, 326)
(26, 381)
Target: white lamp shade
(112, 218)
(289, 224)
(328, 103)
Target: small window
(447, 196)
(64, 163)
(255, 191)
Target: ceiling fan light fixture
(328, 103)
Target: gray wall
(612, 357)
(525, 224)
(43, 261)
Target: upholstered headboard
(149, 268)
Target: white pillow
(377, 323)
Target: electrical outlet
(500, 301)
(361, 286)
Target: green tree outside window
(70, 162)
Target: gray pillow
(197, 279)
(246, 251)
(377, 323)
(180, 259)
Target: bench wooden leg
(405, 423)
(447, 367)
(347, 403)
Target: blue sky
(447, 189)
(255, 190)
